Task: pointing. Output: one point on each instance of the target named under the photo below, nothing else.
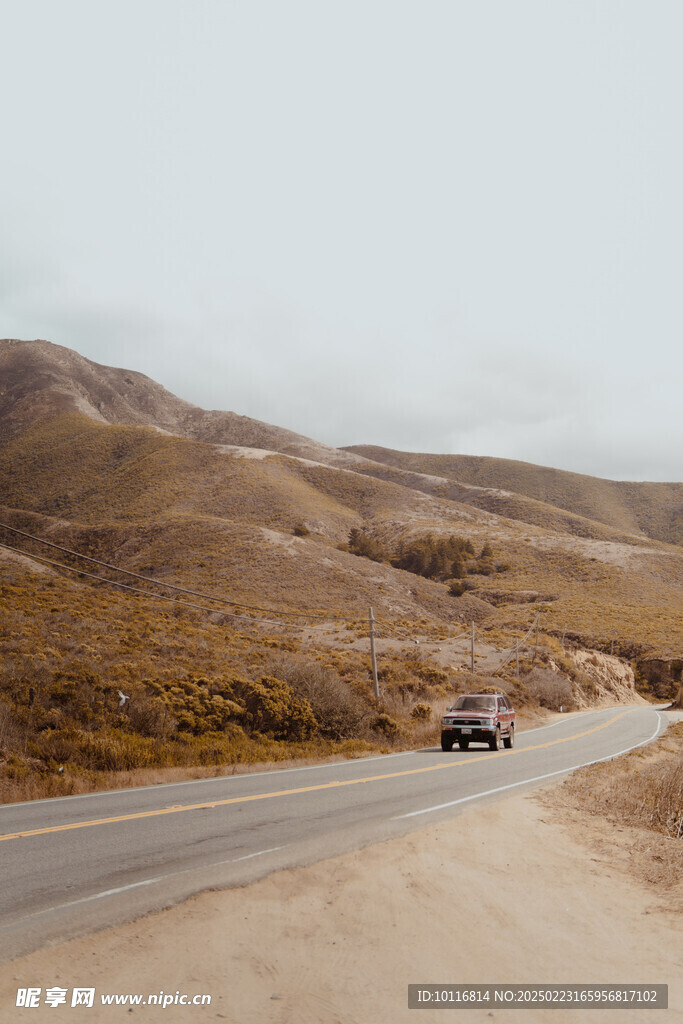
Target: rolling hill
(102, 454)
(653, 510)
(251, 524)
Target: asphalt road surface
(77, 864)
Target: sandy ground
(502, 894)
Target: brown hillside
(106, 463)
(221, 513)
(651, 509)
(41, 378)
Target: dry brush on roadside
(642, 792)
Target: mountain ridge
(39, 378)
(257, 558)
(147, 480)
(625, 505)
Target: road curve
(76, 864)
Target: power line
(515, 649)
(448, 640)
(423, 643)
(146, 593)
(355, 623)
(398, 632)
(213, 611)
(160, 583)
(328, 625)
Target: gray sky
(439, 226)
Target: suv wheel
(494, 743)
(509, 740)
(446, 745)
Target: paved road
(75, 864)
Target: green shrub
(458, 568)
(484, 568)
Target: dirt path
(501, 894)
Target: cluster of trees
(367, 546)
(436, 558)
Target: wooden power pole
(538, 619)
(373, 656)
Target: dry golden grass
(194, 515)
(643, 788)
(641, 792)
(629, 811)
(202, 692)
(623, 507)
(267, 532)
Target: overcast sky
(437, 226)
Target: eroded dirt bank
(507, 893)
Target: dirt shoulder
(630, 811)
(510, 892)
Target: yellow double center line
(181, 809)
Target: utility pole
(533, 660)
(375, 684)
(472, 651)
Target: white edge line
(274, 849)
(560, 721)
(249, 856)
(150, 881)
(274, 771)
(571, 716)
(538, 778)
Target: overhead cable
(147, 593)
(161, 583)
(519, 643)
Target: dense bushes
(366, 546)
(435, 558)
(200, 706)
(340, 712)
(272, 708)
(79, 720)
(386, 726)
(550, 689)
(105, 750)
